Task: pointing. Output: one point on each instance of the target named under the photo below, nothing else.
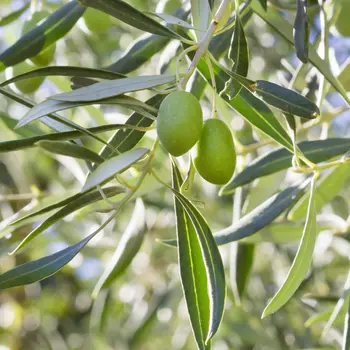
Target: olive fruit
(179, 122)
(214, 156)
(48, 54)
(27, 86)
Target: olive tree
(196, 153)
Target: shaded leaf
(112, 88)
(113, 166)
(127, 248)
(301, 31)
(302, 260)
(130, 15)
(40, 37)
(70, 149)
(286, 100)
(64, 71)
(42, 268)
(280, 159)
(76, 204)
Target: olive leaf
(302, 260)
(45, 34)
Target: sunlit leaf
(200, 13)
(192, 269)
(100, 91)
(302, 260)
(212, 260)
(113, 166)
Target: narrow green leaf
(42, 268)
(239, 55)
(46, 209)
(280, 159)
(329, 186)
(124, 140)
(285, 29)
(212, 260)
(200, 14)
(15, 145)
(241, 269)
(40, 37)
(78, 203)
(302, 260)
(258, 218)
(116, 165)
(286, 100)
(65, 71)
(301, 31)
(261, 216)
(130, 15)
(55, 121)
(192, 269)
(100, 91)
(70, 149)
(128, 247)
(4, 21)
(52, 106)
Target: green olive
(214, 155)
(46, 56)
(27, 86)
(342, 24)
(179, 122)
(97, 21)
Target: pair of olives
(180, 127)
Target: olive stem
(204, 43)
(178, 60)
